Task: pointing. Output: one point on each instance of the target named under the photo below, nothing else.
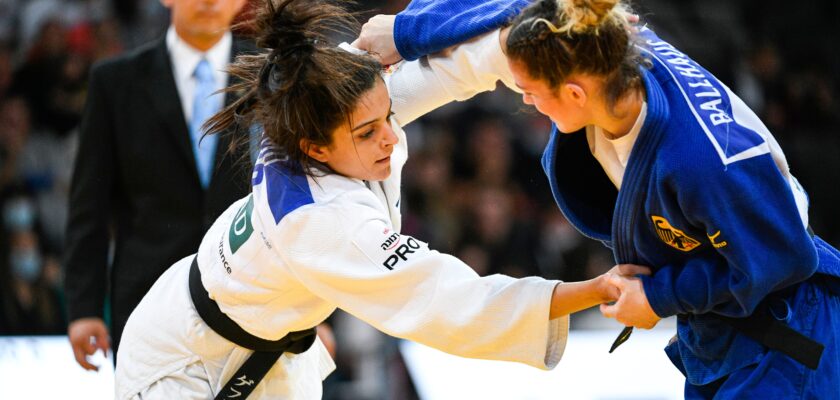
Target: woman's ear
(314, 151)
(576, 93)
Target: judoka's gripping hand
(632, 307)
(377, 38)
(571, 297)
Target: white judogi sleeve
(345, 252)
(459, 73)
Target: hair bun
(585, 14)
(293, 32)
(286, 26)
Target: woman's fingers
(632, 269)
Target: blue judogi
(704, 202)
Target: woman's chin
(567, 128)
(383, 175)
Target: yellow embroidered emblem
(716, 244)
(672, 236)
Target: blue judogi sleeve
(429, 26)
(751, 219)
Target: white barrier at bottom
(43, 367)
(639, 369)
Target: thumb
(361, 43)
(618, 281)
(608, 310)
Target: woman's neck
(618, 120)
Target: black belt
(779, 336)
(266, 352)
(770, 332)
(762, 327)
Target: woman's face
(363, 150)
(560, 105)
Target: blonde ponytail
(579, 16)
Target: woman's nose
(390, 137)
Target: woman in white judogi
(321, 229)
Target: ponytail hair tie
(269, 79)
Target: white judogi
(284, 258)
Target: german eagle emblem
(673, 236)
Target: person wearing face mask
(29, 302)
(25, 262)
(145, 179)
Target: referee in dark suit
(144, 176)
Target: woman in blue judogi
(655, 157)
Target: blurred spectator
(489, 153)
(14, 131)
(52, 80)
(38, 161)
(105, 40)
(6, 69)
(561, 250)
(8, 19)
(29, 301)
(509, 243)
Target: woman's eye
(366, 135)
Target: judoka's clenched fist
(377, 38)
(632, 307)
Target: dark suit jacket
(135, 178)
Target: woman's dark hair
(303, 87)
(556, 38)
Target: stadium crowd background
(473, 186)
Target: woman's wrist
(571, 297)
(605, 291)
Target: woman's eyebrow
(362, 125)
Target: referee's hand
(86, 336)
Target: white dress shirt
(184, 60)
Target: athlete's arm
(430, 26)
(751, 220)
(460, 73)
(350, 257)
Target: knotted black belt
(764, 328)
(266, 352)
